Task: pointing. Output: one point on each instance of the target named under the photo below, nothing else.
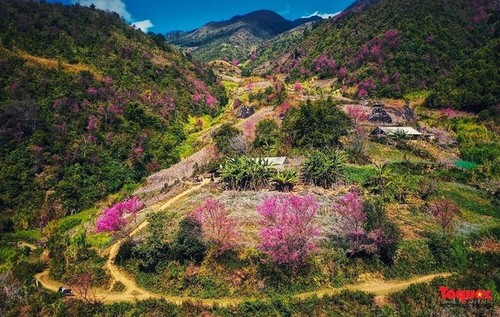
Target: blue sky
(161, 16)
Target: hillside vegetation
(87, 105)
(391, 48)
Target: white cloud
(322, 15)
(117, 6)
(144, 26)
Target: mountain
(236, 38)
(88, 105)
(390, 48)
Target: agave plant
(245, 173)
(325, 168)
(399, 188)
(381, 181)
(284, 181)
(399, 136)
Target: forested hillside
(87, 105)
(391, 48)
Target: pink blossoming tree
(288, 228)
(218, 229)
(113, 218)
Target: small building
(388, 131)
(276, 162)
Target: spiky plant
(245, 173)
(325, 168)
(284, 181)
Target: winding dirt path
(378, 288)
(131, 287)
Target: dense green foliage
(315, 125)
(224, 138)
(324, 168)
(390, 48)
(87, 105)
(266, 134)
(246, 173)
(474, 84)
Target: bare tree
(81, 285)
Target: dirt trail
(378, 287)
(118, 276)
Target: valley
(299, 177)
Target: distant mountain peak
(236, 37)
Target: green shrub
(316, 125)
(223, 138)
(245, 173)
(480, 153)
(266, 134)
(325, 168)
(376, 218)
(284, 181)
(412, 258)
(189, 245)
(448, 252)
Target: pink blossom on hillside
(57, 103)
(197, 97)
(91, 123)
(217, 227)
(362, 93)
(37, 148)
(91, 91)
(237, 103)
(342, 71)
(449, 113)
(235, 62)
(351, 210)
(113, 218)
(138, 150)
(376, 50)
(283, 108)
(211, 101)
(324, 64)
(357, 113)
(392, 37)
(110, 220)
(107, 80)
(298, 86)
(85, 103)
(396, 77)
(288, 228)
(115, 109)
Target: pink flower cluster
(351, 208)
(113, 218)
(288, 228)
(217, 227)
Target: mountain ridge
(235, 38)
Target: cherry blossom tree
(351, 210)
(357, 113)
(288, 228)
(218, 229)
(113, 218)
